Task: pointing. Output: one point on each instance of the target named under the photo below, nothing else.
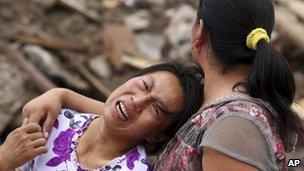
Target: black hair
(227, 24)
(191, 79)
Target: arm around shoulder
(80, 102)
(46, 107)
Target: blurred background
(92, 46)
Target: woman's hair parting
(191, 79)
(239, 32)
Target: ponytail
(271, 79)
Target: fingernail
(46, 135)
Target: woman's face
(143, 106)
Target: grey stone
(154, 2)
(99, 66)
(49, 65)
(150, 45)
(181, 52)
(180, 24)
(138, 20)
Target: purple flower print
(62, 144)
(62, 147)
(56, 124)
(132, 156)
(80, 169)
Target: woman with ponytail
(246, 122)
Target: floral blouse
(62, 143)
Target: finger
(35, 135)
(36, 117)
(32, 127)
(48, 124)
(25, 122)
(39, 143)
(39, 151)
(25, 111)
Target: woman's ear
(197, 38)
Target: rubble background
(92, 46)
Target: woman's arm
(216, 161)
(81, 103)
(45, 108)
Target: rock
(110, 4)
(129, 3)
(99, 66)
(80, 6)
(153, 2)
(139, 20)
(150, 45)
(180, 25)
(181, 52)
(50, 66)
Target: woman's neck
(218, 85)
(97, 146)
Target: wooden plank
(49, 42)
(119, 40)
(93, 80)
(80, 8)
(87, 75)
(137, 62)
(41, 82)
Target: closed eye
(145, 85)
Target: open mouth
(122, 111)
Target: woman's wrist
(4, 164)
(61, 93)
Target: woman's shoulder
(241, 139)
(243, 105)
(243, 124)
(251, 110)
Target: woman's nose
(141, 101)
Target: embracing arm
(45, 108)
(80, 102)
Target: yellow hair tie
(255, 36)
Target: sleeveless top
(184, 151)
(62, 143)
